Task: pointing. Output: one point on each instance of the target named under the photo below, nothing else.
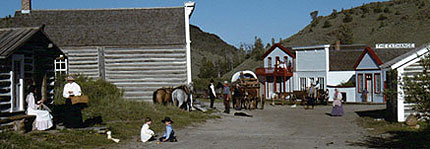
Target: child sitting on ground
(169, 134)
(145, 133)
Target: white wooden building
(406, 64)
(278, 69)
(137, 49)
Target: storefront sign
(395, 46)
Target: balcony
(284, 72)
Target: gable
(278, 46)
(367, 62)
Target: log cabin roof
(345, 59)
(13, 38)
(107, 27)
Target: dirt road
(273, 127)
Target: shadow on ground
(397, 139)
(375, 114)
(392, 139)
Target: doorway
(17, 84)
(369, 88)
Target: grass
(386, 134)
(124, 118)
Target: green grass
(384, 134)
(124, 118)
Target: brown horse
(251, 98)
(163, 96)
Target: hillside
(208, 45)
(378, 22)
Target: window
(277, 63)
(311, 81)
(360, 82)
(321, 82)
(60, 65)
(378, 83)
(303, 84)
(269, 62)
(286, 61)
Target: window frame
(60, 61)
(360, 87)
(377, 82)
(269, 62)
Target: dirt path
(273, 127)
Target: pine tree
(417, 88)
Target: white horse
(182, 96)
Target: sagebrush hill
(396, 21)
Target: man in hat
(71, 88)
(72, 114)
(169, 134)
(226, 93)
(212, 93)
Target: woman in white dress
(146, 133)
(43, 118)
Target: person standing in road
(212, 93)
(226, 93)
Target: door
(369, 88)
(17, 94)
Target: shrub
(377, 9)
(348, 18)
(397, 13)
(387, 10)
(333, 15)
(327, 24)
(382, 17)
(365, 9)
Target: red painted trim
(374, 86)
(358, 80)
(372, 55)
(385, 86)
(286, 50)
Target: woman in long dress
(43, 118)
(337, 104)
(145, 133)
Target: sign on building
(395, 46)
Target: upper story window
(269, 62)
(278, 62)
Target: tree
(314, 14)
(417, 88)
(273, 41)
(345, 34)
(348, 18)
(327, 24)
(258, 49)
(207, 68)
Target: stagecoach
(245, 90)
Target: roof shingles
(109, 27)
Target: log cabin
(27, 56)
(137, 49)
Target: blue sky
(235, 21)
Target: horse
(182, 96)
(163, 96)
(251, 98)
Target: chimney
(25, 6)
(337, 45)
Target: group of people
(225, 92)
(146, 134)
(44, 118)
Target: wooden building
(370, 76)
(401, 66)
(26, 56)
(137, 49)
(277, 72)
